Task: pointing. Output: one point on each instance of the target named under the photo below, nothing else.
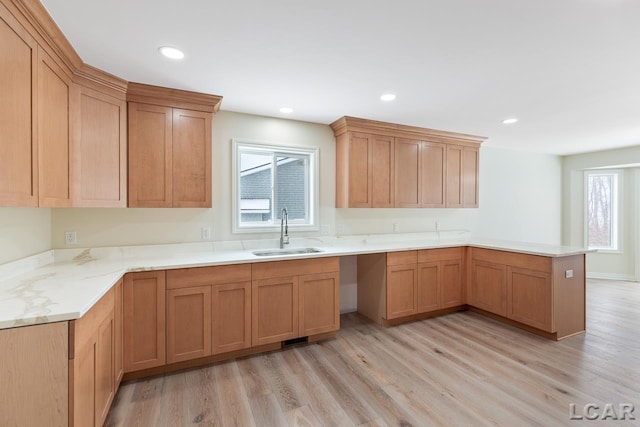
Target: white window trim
(617, 209)
(314, 187)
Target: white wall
(24, 232)
(623, 265)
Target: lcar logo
(611, 412)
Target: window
(268, 178)
(602, 210)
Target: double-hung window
(269, 178)
(602, 210)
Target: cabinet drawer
(298, 267)
(203, 276)
(402, 258)
(429, 255)
(532, 262)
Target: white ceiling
(568, 69)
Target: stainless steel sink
(292, 251)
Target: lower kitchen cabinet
(529, 297)
(402, 281)
(404, 284)
(488, 287)
(428, 296)
(292, 299)
(274, 310)
(118, 323)
(208, 311)
(319, 298)
(144, 320)
(92, 376)
(188, 323)
(231, 313)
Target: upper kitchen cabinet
(53, 130)
(62, 123)
(99, 141)
(169, 146)
(18, 86)
(365, 171)
(382, 164)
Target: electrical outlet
(205, 233)
(70, 238)
(396, 227)
(324, 229)
(340, 228)
(568, 274)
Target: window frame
(313, 186)
(616, 210)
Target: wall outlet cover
(70, 238)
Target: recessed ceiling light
(509, 121)
(171, 52)
(286, 110)
(388, 97)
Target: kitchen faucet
(284, 228)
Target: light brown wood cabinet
(365, 172)
(408, 173)
(118, 324)
(292, 299)
(99, 141)
(53, 124)
(403, 284)
(389, 165)
(18, 86)
(169, 147)
(529, 297)
(92, 368)
(208, 311)
(488, 289)
(532, 290)
(34, 367)
(144, 320)
(188, 323)
(319, 300)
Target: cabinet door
(433, 159)
(529, 297)
(54, 155)
(18, 86)
(382, 171)
(104, 369)
(191, 159)
(428, 286)
(319, 303)
(360, 190)
(84, 384)
(118, 333)
(451, 290)
(274, 310)
(144, 320)
(402, 281)
(99, 166)
(231, 315)
(188, 323)
(454, 176)
(407, 173)
(488, 289)
(470, 166)
(150, 151)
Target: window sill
(274, 229)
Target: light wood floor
(461, 369)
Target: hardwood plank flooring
(461, 369)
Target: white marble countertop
(61, 285)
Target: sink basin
(292, 251)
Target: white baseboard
(611, 276)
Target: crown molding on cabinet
(354, 124)
(156, 95)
